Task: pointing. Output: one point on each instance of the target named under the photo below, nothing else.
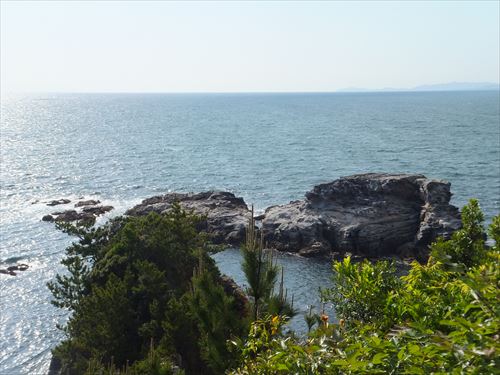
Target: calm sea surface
(267, 148)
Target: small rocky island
(369, 215)
(89, 211)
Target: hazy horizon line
(235, 92)
(438, 87)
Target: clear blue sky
(245, 46)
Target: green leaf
(378, 358)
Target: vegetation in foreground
(146, 298)
(441, 318)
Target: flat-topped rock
(370, 214)
(226, 216)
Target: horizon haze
(245, 47)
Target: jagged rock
(90, 202)
(59, 201)
(226, 216)
(369, 214)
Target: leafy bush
(443, 317)
(466, 246)
(360, 290)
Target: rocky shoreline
(369, 215)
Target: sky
(162, 46)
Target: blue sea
(267, 148)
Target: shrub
(443, 317)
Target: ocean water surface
(267, 148)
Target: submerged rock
(58, 201)
(226, 216)
(90, 202)
(369, 214)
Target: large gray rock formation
(368, 214)
(226, 216)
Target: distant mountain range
(452, 86)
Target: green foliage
(443, 317)
(360, 290)
(155, 363)
(130, 285)
(219, 320)
(261, 273)
(466, 246)
(311, 319)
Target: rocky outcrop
(369, 214)
(225, 215)
(96, 210)
(87, 214)
(90, 202)
(58, 201)
(71, 215)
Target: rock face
(368, 214)
(226, 215)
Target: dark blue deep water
(267, 148)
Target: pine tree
(261, 272)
